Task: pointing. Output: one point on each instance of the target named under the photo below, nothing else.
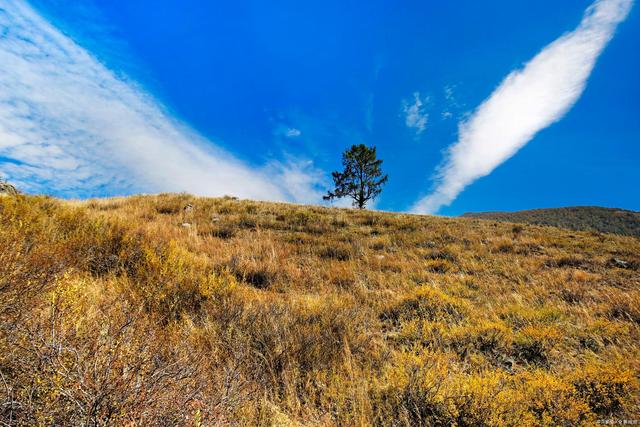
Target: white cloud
(303, 181)
(284, 131)
(415, 115)
(69, 125)
(527, 101)
(293, 133)
(450, 102)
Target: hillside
(604, 220)
(176, 310)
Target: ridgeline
(584, 218)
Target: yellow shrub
(534, 344)
(426, 302)
(486, 399)
(483, 336)
(550, 401)
(409, 392)
(607, 389)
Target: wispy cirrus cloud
(305, 182)
(415, 114)
(70, 126)
(527, 101)
(451, 104)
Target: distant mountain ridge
(605, 220)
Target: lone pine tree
(362, 177)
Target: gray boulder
(7, 189)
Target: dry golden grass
(135, 311)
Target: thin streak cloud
(527, 101)
(69, 125)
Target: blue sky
(259, 98)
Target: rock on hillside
(7, 189)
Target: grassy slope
(273, 314)
(605, 220)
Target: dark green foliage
(362, 178)
(604, 220)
